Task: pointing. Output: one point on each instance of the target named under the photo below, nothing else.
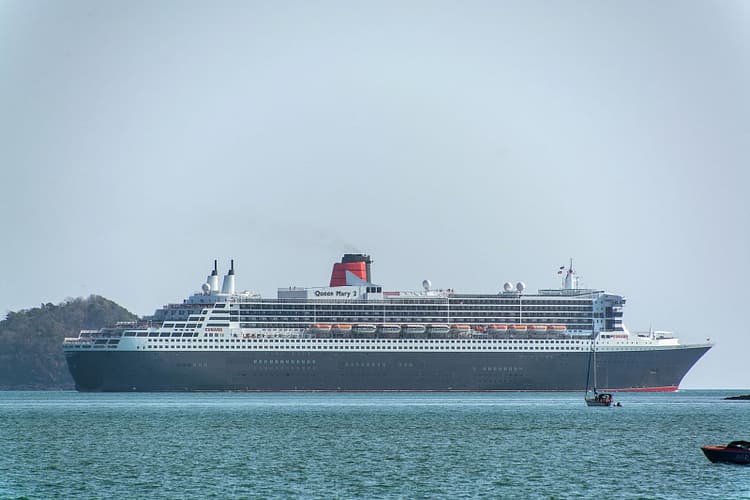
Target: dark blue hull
(718, 454)
(651, 370)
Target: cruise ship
(354, 336)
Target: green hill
(31, 355)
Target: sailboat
(596, 398)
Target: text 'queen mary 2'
(353, 336)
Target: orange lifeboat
(518, 328)
(497, 328)
(557, 328)
(537, 328)
(319, 328)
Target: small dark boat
(736, 452)
(599, 399)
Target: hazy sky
(470, 143)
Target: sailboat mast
(594, 356)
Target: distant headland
(31, 355)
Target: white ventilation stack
(213, 280)
(228, 285)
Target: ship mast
(568, 284)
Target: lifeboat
(413, 329)
(497, 328)
(438, 329)
(460, 328)
(537, 328)
(320, 328)
(517, 328)
(556, 328)
(341, 328)
(364, 329)
(389, 328)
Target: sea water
(368, 445)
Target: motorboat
(736, 452)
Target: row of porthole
(363, 364)
(367, 348)
(284, 361)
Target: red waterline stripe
(670, 388)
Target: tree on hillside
(31, 355)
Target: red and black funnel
(356, 263)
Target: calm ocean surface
(525, 445)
